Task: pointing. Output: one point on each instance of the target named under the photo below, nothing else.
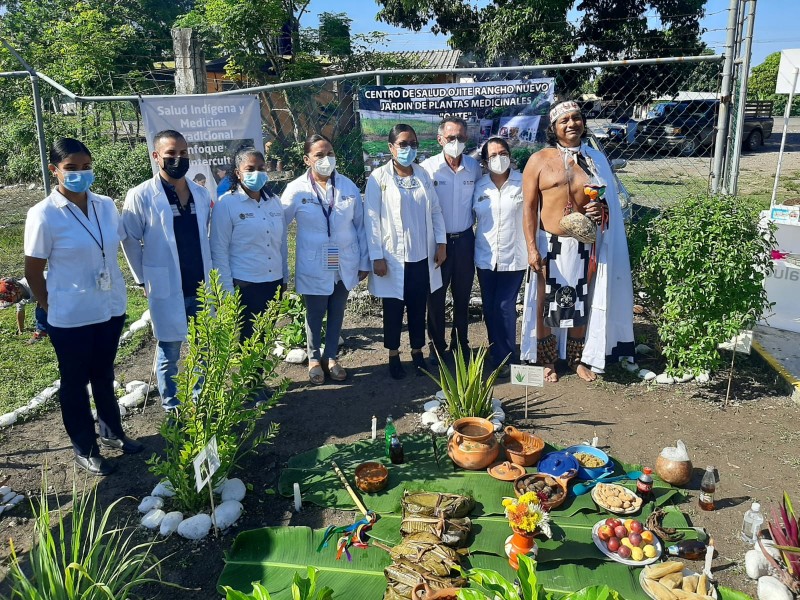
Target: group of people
(420, 229)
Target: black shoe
(505, 372)
(419, 362)
(126, 444)
(95, 465)
(396, 369)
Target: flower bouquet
(527, 517)
(526, 514)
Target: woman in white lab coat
(331, 252)
(76, 233)
(407, 243)
(248, 237)
(501, 256)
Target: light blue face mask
(254, 180)
(78, 181)
(406, 156)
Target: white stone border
(125, 402)
(197, 527)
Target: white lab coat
(153, 255)
(384, 226)
(300, 203)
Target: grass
(33, 367)
(429, 146)
(381, 127)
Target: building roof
(430, 59)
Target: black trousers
(86, 355)
(416, 286)
(255, 297)
(458, 273)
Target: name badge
(330, 257)
(104, 280)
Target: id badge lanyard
(104, 276)
(330, 251)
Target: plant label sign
(206, 464)
(527, 375)
(739, 343)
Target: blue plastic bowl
(585, 473)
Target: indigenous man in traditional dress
(579, 297)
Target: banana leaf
(320, 486)
(272, 555)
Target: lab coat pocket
(73, 306)
(156, 282)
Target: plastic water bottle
(751, 525)
(388, 432)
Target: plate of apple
(626, 541)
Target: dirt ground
(753, 443)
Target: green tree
(761, 86)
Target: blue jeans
(167, 361)
(499, 291)
(40, 318)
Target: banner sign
(214, 128)
(509, 109)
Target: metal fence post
(37, 110)
(733, 175)
(786, 114)
(724, 100)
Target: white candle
(374, 427)
(709, 559)
(298, 502)
(595, 441)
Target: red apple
(613, 544)
(604, 532)
(636, 539)
(620, 531)
(637, 527)
(612, 522)
(624, 552)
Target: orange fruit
(648, 537)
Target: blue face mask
(406, 156)
(78, 181)
(254, 180)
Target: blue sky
(776, 25)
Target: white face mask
(325, 165)
(499, 164)
(454, 149)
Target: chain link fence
(655, 122)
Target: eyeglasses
(460, 138)
(406, 145)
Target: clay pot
(424, 592)
(674, 472)
(473, 445)
(522, 448)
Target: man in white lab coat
(166, 219)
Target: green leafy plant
(466, 392)
(216, 387)
(293, 333)
(703, 270)
(490, 585)
(302, 589)
(83, 557)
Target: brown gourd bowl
(522, 448)
(674, 472)
(371, 477)
(524, 480)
